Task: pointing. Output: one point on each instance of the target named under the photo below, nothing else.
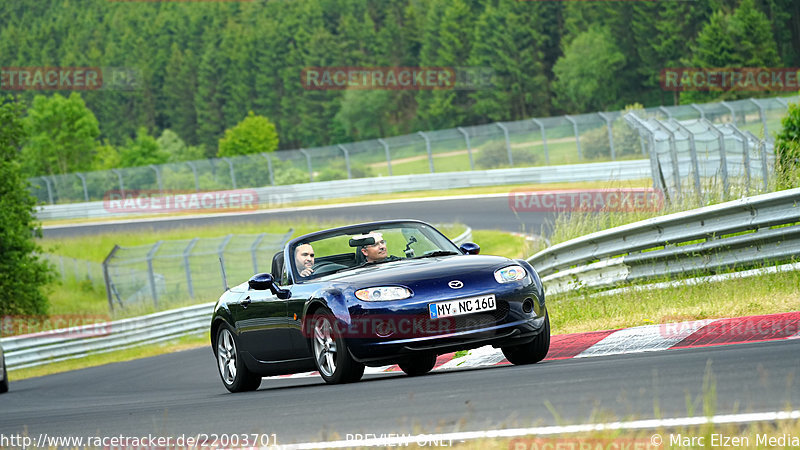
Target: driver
(304, 259)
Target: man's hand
(306, 272)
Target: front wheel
(333, 361)
(533, 351)
(418, 365)
(232, 369)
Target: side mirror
(470, 248)
(264, 281)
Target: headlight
(509, 274)
(383, 293)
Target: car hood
(415, 271)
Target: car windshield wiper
(437, 253)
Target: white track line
(651, 424)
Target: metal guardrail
(70, 343)
(271, 197)
(737, 234)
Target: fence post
(158, 178)
(106, 276)
(308, 162)
(761, 114)
(673, 154)
(194, 171)
(577, 136)
(730, 108)
(428, 147)
(150, 274)
(49, 189)
(269, 168)
(745, 155)
(782, 102)
(346, 161)
(698, 109)
(388, 156)
(723, 158)
(121, 185)
(233, 172)
(695, 164)
(83, 182)
(469, 148)
(253, 249)
(666, 112)
(220, 254)
(762, 149)
(186, 253)
(544, 140)
(508, 143)
(610, 134)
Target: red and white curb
(647, 338)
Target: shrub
(495, 155)
(787, 149)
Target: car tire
(232, 369)
(333, 360)
(4, 383)
(532, 352)
(418, 365)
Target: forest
(200, 68)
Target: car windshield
(359, 246)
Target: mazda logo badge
(455, 284)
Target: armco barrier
(271, 197)
(740, 233)
(59, 345)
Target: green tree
(62, 136)
(171, 144)
(142, 151)
(22, 273)
(787, 148)
(587, 76)
(254, 134)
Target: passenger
(376, 252)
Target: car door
(261, 319)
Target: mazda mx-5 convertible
(374, 294)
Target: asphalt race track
(181, 394)
(490, 212)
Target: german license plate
(462, 306)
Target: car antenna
(224, 276)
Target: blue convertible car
(390, 292)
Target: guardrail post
(577, 136)
(508, 143)
(388, 156)
(745, 155)
(221, 255)
(308, 162)
(121, 185)
(544, 140)
(428, 147)
(695, 164)
(723, 158)
(158, 178)
(761, 114)
(610, 134)
(346, 160)
(253, 249)
(106, 275)
(83, 182)
(150, 274)
(269, 168)
(233, 172)
(469, 148)
(186, 253)
(194, 172)
(730, 108)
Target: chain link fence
(77, 270)
(701, 159)
(174, 271)
(593, 137)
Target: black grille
(470, 321)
